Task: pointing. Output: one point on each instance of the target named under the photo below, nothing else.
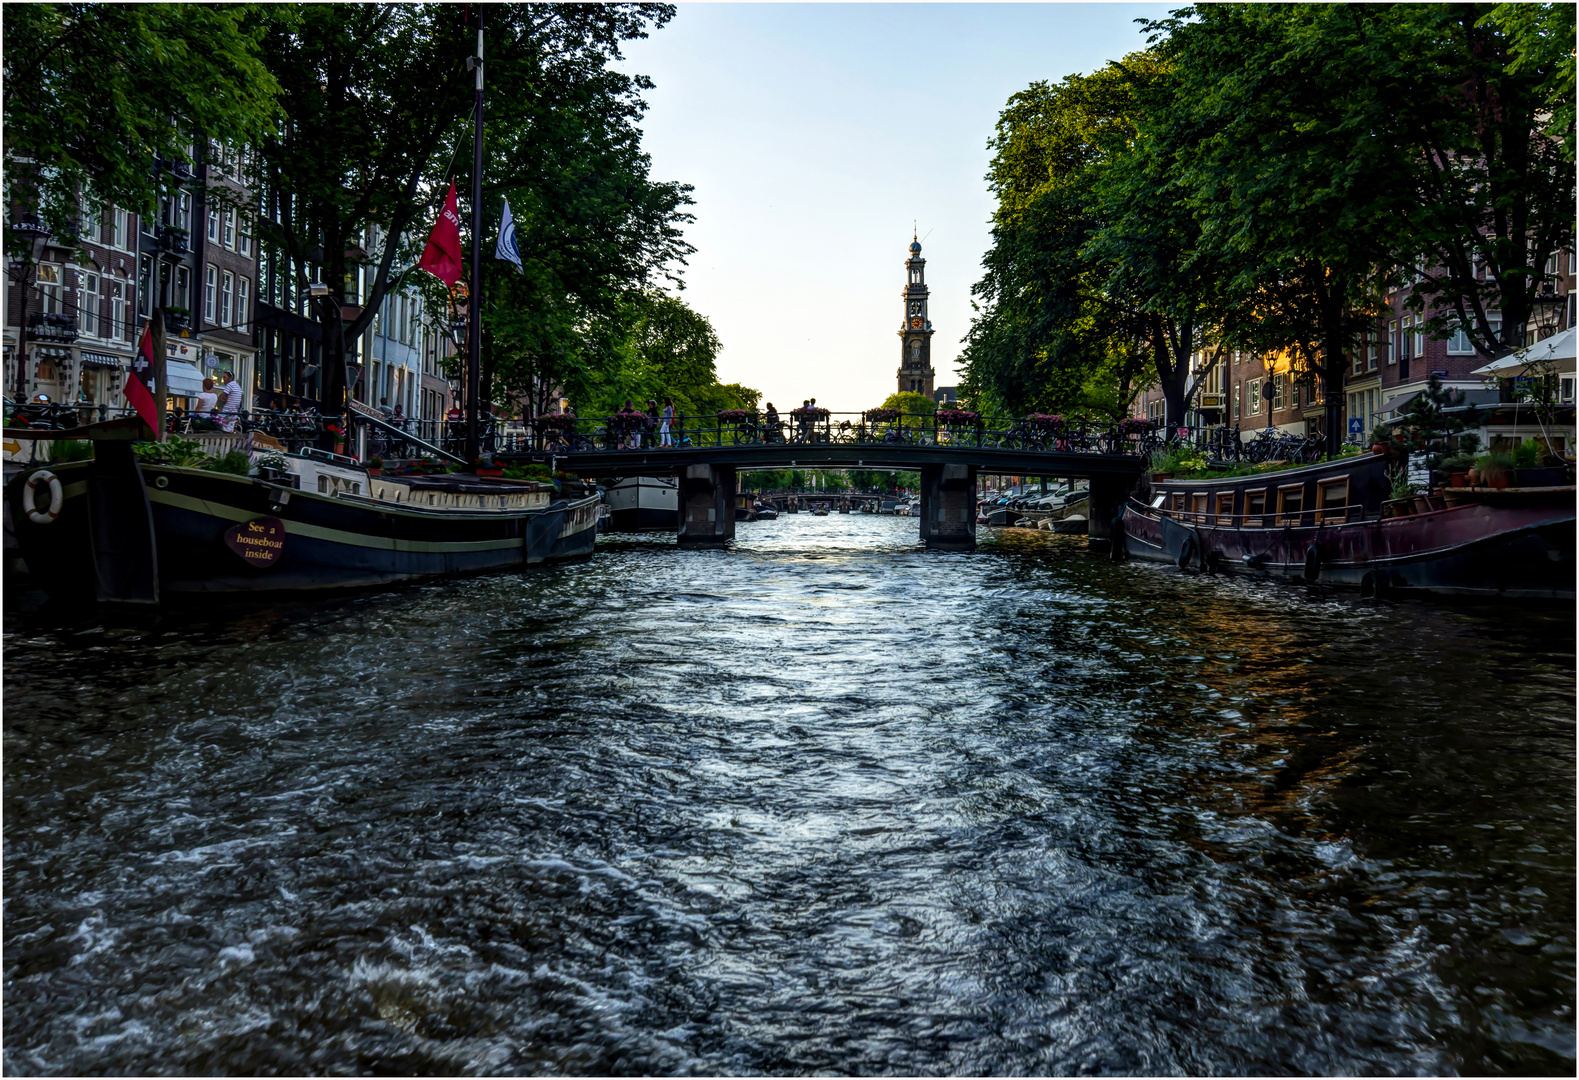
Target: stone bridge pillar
(1107, 499)
(948, 507)
(707, 506)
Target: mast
(474, 335)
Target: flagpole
(474, 334)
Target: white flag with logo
(505, 249)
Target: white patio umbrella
(1555, 353)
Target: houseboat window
(1177, 503)
(1290, 501)
(1255, 506)
(1156, 504)
(1225, 508)
(1331, 494)
(1198, 506)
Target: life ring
(30, 497)
(1312, 564)
(1186, 552)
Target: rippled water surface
(825, 803)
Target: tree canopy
(1260, 178)
(94, 92)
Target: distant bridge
(948, 451)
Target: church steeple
(915, 331)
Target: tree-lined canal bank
(823, 803)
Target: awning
(1396, 403)
(98, 359)
(183, 380)
(1555, 353)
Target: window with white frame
(88, 303)
(1253, 394)
(242, 313)
(49, 288)
(1419, 342)
(227, 292)
(243, 241)
(213, 225)
(210, 286)
(230, 229)
(183, 287)
(121, 330)
(120, 227)
(1458, 343)
(1392, 334)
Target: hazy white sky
(814, 134)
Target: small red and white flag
(442, 256)
(140, 386)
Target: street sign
(1440, 374)
(1356, 426)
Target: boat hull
(328, 542)
(1472, 549)
(644, 504)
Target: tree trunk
(1170, 377)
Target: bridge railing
(571, 435)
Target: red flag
(442, 256)
(140, 384)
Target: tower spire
(915, 332)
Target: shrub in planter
(1495, 470)
(881, 416)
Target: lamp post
(36, 234)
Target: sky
(814, 135)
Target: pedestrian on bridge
(667, 416)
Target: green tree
(93, 92)
(1291, 165)
(378, 101)
(910, 403)
(1484, 100)
(1095, 282)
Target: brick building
(1253, 392)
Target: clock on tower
(915, 330)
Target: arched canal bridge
(949, 451)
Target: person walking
(632, 422)
(770, 424)
(666, 418)
(650, 424)
(231, 411)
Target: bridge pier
(948, 507)
(1107, 499)
(707, 506)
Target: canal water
(825, 803)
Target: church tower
(915, 332)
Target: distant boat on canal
(644, 503)
(1335, 523)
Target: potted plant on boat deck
(487, 467)
(1491, 470)
(375, 466)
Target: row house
(407, 350)
(1250, 392)
(70, 322)
(75, 315)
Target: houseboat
(113, 528)
(1335, 523)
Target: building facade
(915, 330)
(226, 255)
(1250, 392)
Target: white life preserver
(34, 514)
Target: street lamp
(1547, 311)
(36, 234)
